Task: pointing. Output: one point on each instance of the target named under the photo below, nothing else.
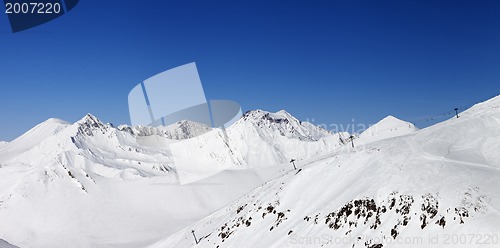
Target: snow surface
(89, 184)
(430, 188)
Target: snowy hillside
(389, 127)
(437, 187)
(89, 184)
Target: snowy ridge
(442, 180)
(178, 131)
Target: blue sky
(331, 61)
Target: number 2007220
(32, 8)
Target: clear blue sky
(332, 61)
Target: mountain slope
(426, 189)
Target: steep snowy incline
(433, 188)
(389, 127)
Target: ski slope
(436, 187)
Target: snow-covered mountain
(282, 137)
(389, 127)
(258, 139)
(437, 187)
(89, 184)
(178, 131)
(284, 124)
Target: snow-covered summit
(89, 124)
(56, 120)
(389, 127)
(186, 129)
(284, 124)
(180, 130)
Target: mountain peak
(388, 127)
(253, 113)
(188, 122)
(390, 120)
(259, 114)
(89, 118)
(390, 117)
(180, 130)
(88, 123)
(283, 124)
(56, 120)
(185, 129)
(283, 112)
